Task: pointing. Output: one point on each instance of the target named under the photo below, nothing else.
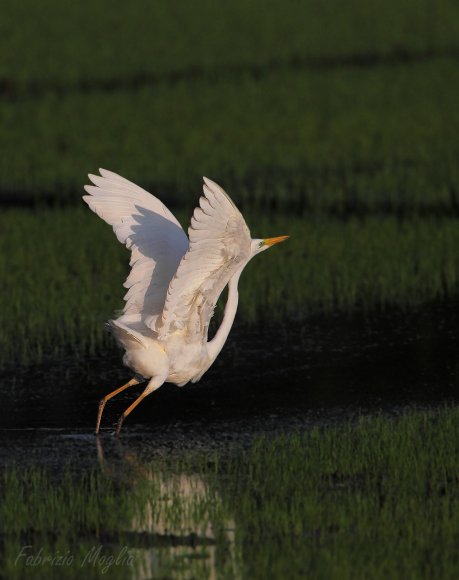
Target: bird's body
(175, 282)
(176, 360)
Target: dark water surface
(266, 378)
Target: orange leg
(128, 410)
(108, 397)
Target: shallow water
(267, 378)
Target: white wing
(152, 233)
(219, 243)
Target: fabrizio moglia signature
(94, 557)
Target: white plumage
(174, 283)
(219, 242)
(152, 233)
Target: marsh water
(266, 377)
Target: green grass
(306, 113)
(373, 498)
(62, 271)
(384, 138)
(68, 42)
(140, 508)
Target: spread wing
(152, 233)
(219, 243)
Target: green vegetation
(341, 140)
(67, 42)
(375, 498)
(136, 521)
(335, 123)
(294, 136)
(62, 273)
(372, 500)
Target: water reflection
(181, 523)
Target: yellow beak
(272, 241)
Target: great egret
(174, 283)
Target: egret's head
(262, 245)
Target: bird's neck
(216, 344)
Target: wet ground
(267, 379)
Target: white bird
(175, 282)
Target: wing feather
(219, 244)
(152, 233)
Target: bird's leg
(128, 410)
(108, 397)
(153, 385)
